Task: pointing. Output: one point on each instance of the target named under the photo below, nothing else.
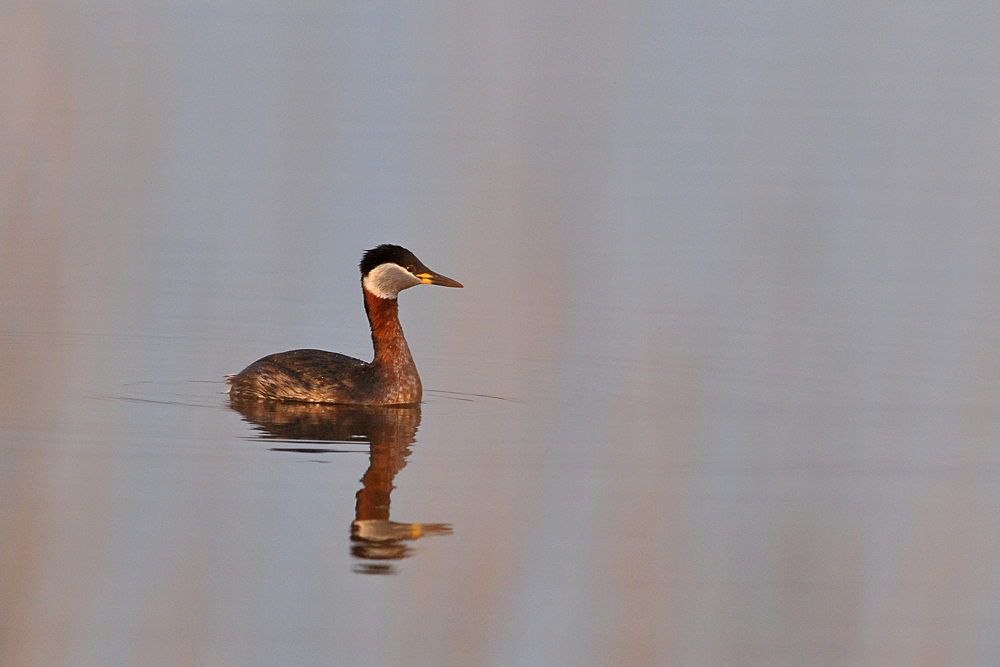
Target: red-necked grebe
(315, 376)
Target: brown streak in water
(35, 164)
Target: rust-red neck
(387, 334)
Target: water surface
(721, 388)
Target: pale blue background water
(735, 265)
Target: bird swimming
(316, 376)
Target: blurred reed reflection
(389, 431)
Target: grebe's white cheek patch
(386, 281)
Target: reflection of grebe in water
(390, 430)
(316, 376)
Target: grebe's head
(389, 269)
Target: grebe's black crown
(391, 254)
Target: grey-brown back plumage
(315, 376)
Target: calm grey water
(723, 387)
